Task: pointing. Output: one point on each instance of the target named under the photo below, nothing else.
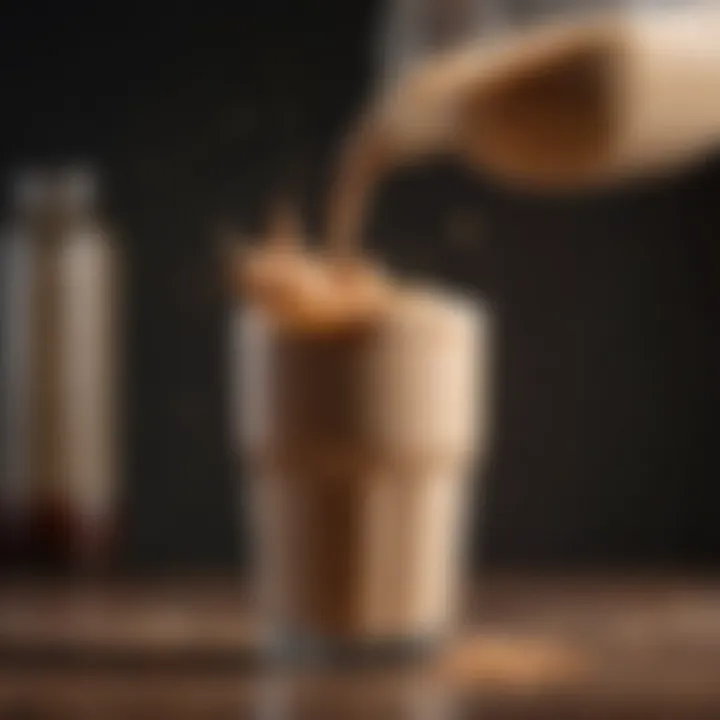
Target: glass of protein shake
(362, 406)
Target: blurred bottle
(59, 379)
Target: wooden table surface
(639, 646)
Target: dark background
(607, 305)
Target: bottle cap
(28, 188)
(39, 187)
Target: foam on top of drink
(307, 290)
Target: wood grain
(641, 647)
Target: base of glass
(309, 649)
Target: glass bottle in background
(16, 256)
(60, 356)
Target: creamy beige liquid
(361, 442)
(535, 107)
(581, 101)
